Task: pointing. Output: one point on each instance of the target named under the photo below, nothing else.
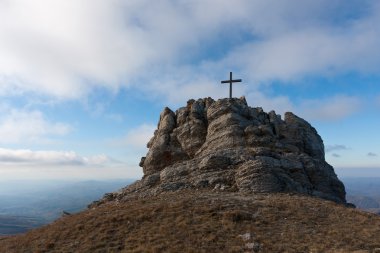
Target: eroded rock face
(227, 145)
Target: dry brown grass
(208, 222)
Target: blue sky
(82, 82)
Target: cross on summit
(230, 82)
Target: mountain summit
(226, 145)
(219, 176)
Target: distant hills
(364, 193)
(29, 204)
(18, 224)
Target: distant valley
(29, 204)
(364, 193)
(25, 205)
(18, 224)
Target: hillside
(206, 221)
(220, 176)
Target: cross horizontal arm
(232, 81)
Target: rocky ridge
(225, 145)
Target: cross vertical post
(230, 82)
(230, 85)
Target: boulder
(228, 145)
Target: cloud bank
(28, 126)
(43, 158)
(67, 48)
(333, 108)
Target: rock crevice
(227, 145)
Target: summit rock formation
(219, 176)
(226, 145)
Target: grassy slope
(207, 222)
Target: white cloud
(63, 48)
(280, 104)
(290, 44)
(330, 108)
(21, 125)
(309, 52)
(371, 154)
(316, 45)
(336, 147)
(333, 108)
(49, 164)
(134, 144)
(55, 158)
(135, 140)
(179, 90)
(139, 137)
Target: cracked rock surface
(226, 145)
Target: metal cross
(230, 82)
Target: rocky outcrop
(225, 145)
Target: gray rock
(227, 145)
